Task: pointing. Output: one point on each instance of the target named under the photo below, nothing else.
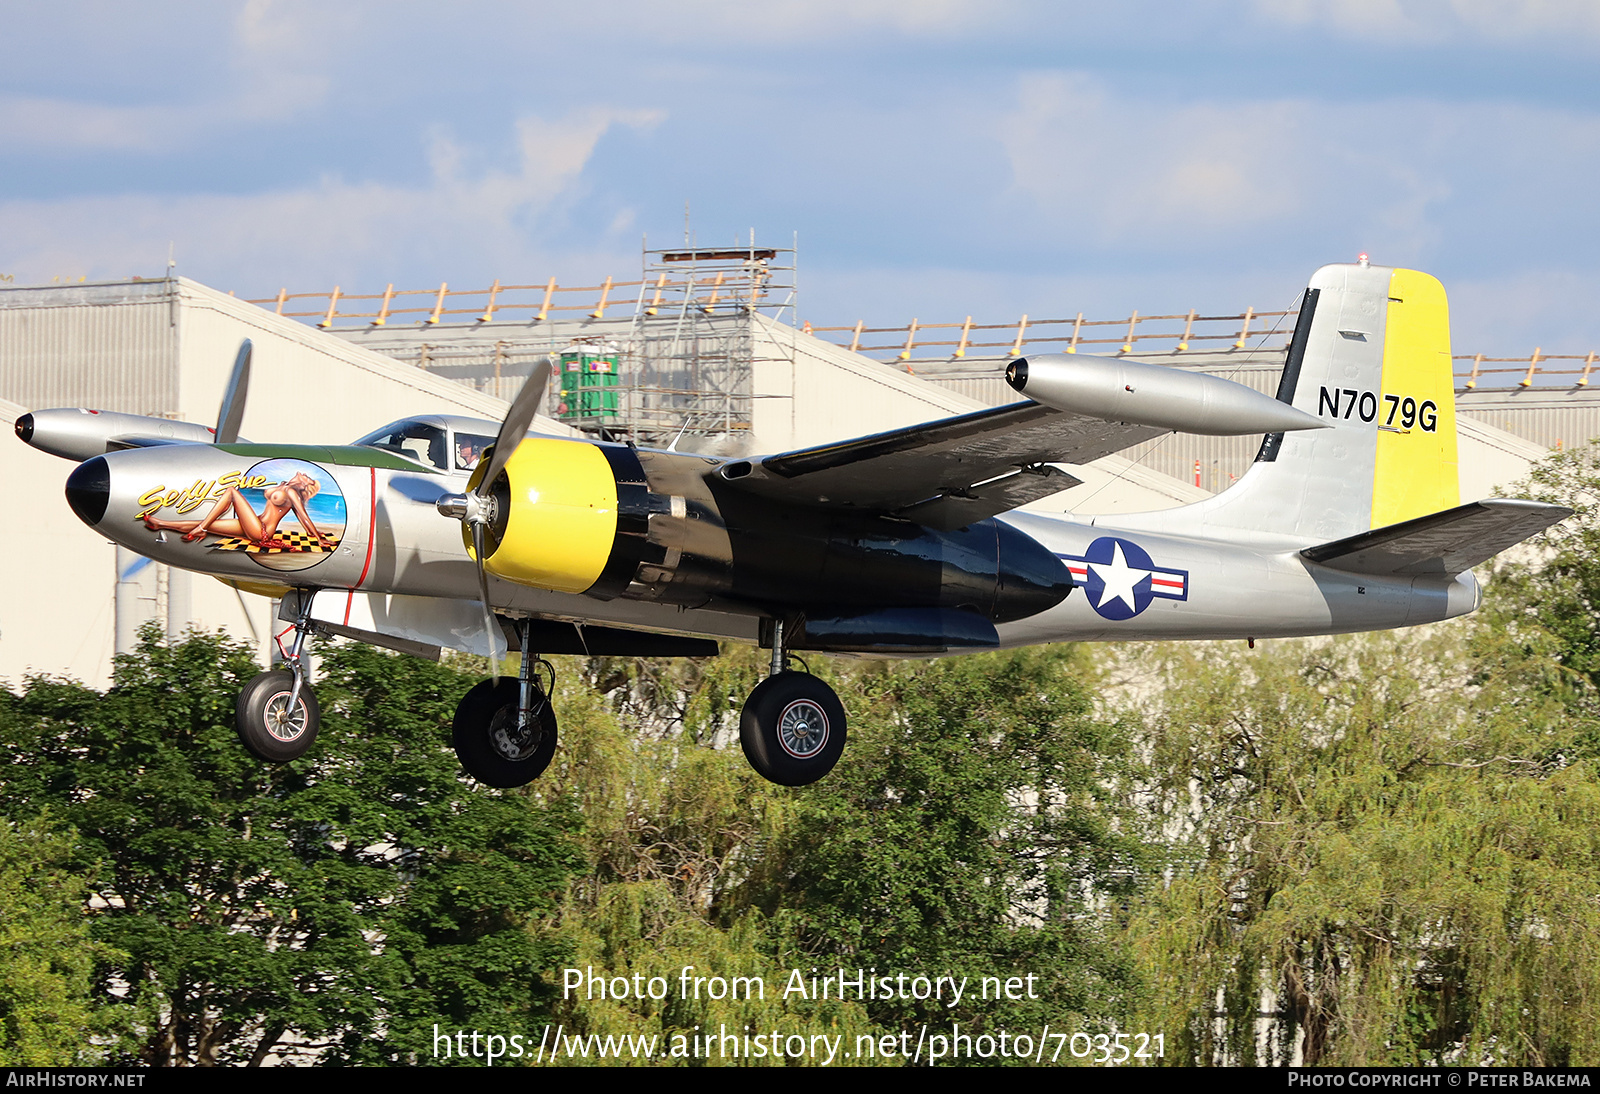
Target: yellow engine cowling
(558, 522)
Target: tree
(335, 908)
(1383, 853)
(974, 829)
(1548, 600)
(675, 819)
(46, 955)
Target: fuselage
(698, 557)
(1135, 584)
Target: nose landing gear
(792, 728)
(277, 714)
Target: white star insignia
(1119, 578)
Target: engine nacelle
(578, 517)
(77, 434)
(556, 519)
(1121, 390)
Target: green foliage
(1374, 850)
(972, 829)
(45, 951)
(672, 827)
(1552, 601)
(1383, 854)
(336, 907)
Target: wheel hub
(285, 725)
(510, 742)
(802, 729)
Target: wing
(947, 473)
(1442, 544)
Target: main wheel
(487, 740)
(792, 729)
(266, 725)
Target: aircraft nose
(89, 489)
(25, 428)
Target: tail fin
(1371, 356)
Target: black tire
(265, 726)
(792, 729)
(486, 741)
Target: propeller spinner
(478, 508)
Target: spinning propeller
(478, 508)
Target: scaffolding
(666, 357)
(694, 341)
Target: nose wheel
(275, 722)
(277, 714)
(792, 727)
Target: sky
(933, 158)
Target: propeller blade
(518, 419)
(483, 593)
(231, 413)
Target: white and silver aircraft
(903, 543)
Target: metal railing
(916, 342)
(1070, 334)
(535, 302)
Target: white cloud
(487, 220)
(790, 17)
(1428, 21)
(775, 21)
(34, 122)
(277, 59)
(1121, 171)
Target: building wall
(56, 610)
(111, 347)
(306, 387)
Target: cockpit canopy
(442, 442)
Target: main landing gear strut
(792, 726)
(277, 713)
(505, 730)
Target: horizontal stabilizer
(1440, 544)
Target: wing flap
(948, 512)
(893, 471)
(1440, 544)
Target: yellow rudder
(1416, 470)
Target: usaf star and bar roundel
(1120, 579)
